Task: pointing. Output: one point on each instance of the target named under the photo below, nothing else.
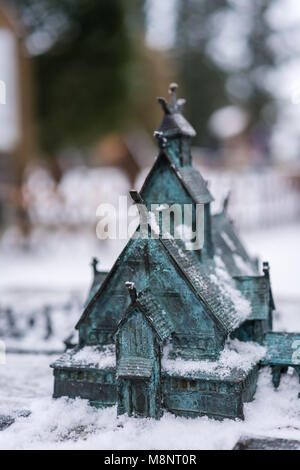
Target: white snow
(228, 241)
(245, 269)
(100, 358)
(225, 282)
(26, 382)
(236, 355)
(280, 247)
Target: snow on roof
(236, 359)
(242, 306)
(96, 357)
(228, 241)
(96, 284)
(244, 267)
(230, 248)
(256, 289)
(217, 290)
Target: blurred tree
(223, 55)
(82, 54)
(202, 79)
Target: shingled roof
(134, 366)
(154, 313)
(224, 301)
(194, 184)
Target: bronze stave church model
(170, 327)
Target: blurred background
(77, 115)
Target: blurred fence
(258, 200)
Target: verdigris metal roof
(283, 349)
(256, 290)
(175, 123)
(230, 248)
(96, 284)
(222, 303)
(158, 317)
(195, 184)
(135, 366)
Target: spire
(174, 123)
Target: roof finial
(132, 290)
(175, 105)
(173, 92)
(266, 269)
(94, 265)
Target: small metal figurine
(154, 329)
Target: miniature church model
(170, 327)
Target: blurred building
(16, 106)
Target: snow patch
(241, 264)
(226, 284)
(228, 241)
(236, 355)
(93, 356)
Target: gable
(135, 335)
(222, 299)
(158, 318)
(111, 300)
(188, 314)
(162, 184)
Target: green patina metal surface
(283, 351)
(179, 303)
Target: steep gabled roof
(189, 178)
(104, 283)
(175, 124)
(154, 313)
(194, 184)
(159, 319)
(96, 284)
(256, 290)
(230, 248)
(221, 303)
(225, 302)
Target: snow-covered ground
(26, 383)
